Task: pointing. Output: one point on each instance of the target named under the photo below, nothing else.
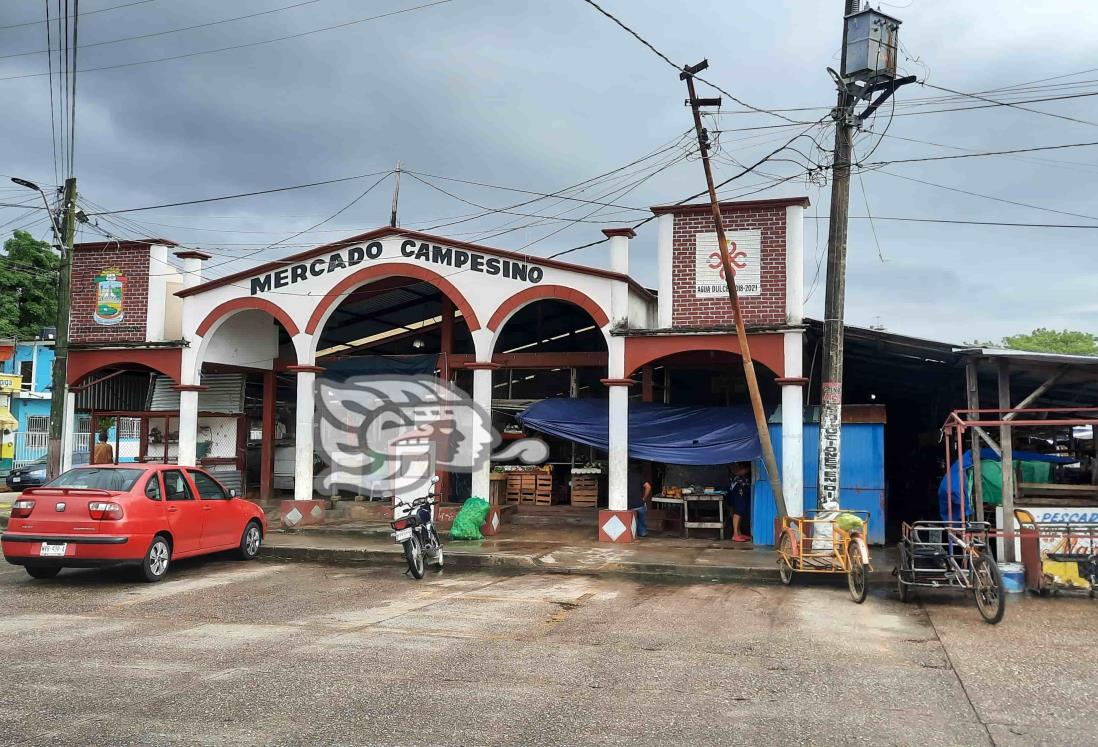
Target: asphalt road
(225, 652)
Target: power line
(520, 191)
(241, 194)
(243, 46)
(171, 31)
(679, 68)
(1015, 106)
(977, 154)
(87, 13)
(985, 197)
(967, 222)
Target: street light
(49, 212)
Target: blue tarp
(659, 433)
(988, 455)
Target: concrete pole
(619, 263)
(303, 435)
(68, 427)
(618, 447)
(482, 396)
(187, 454)
(792, 376)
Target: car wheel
(43, 571)
(157, 559)
(249, 542)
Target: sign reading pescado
(422, 251)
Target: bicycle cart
(1058, 556)
(943, 554)
(826, 541)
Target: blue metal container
(862, 480)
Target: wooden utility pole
(831, 381)
(761, 425)
(396, 198)
(60, 387)
(1006, 443)
(972, 384)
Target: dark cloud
(540, 95)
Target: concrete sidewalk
(557, 550)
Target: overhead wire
(87, 13)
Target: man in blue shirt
(739, 497)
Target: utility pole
(875, 70)
(761, 425)
(396, 198)
(60, 389)
(831, 382)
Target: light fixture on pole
(53, 220)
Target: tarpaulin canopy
(986, 454)
(659, 433)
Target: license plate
(53, 551)
(16, 479)
(402, 535)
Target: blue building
(33, 361)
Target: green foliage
(28, 286)
(1043, 340)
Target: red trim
(387, 269)
(767, 348)
(192, 254)
(305, 369)
(241, 304)
(482, 365)
(618, 382)
(190, 388)
(730, 205)
(380, 233)
(130, 244)
(83, 363)
(544, 292)
(628, 233)
(795, 380)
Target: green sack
(848, 522)
(469, 519)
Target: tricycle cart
(826, 541)
(940, 554)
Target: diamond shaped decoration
(495, 520)
(634, 525)
(317, 511)
(614, 528)
(292, 517)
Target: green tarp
(991, 474)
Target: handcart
(1058, 555)
(826, 541)
(942, 554)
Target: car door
(185, 515)
(221, 525)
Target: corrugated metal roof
(224, 393)
(1028, 356)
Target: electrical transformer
(872, 39)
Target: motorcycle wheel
(413, 553)
(438, 558)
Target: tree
(1043, 340)
(28, 286)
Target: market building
(221, 371)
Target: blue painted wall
(862, 481)
(43, 372)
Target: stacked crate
(585, 490)
(530, 487)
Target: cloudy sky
(541, 95)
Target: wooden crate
(543, 489)
(585, 490)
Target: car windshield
(97, 478)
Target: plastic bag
(469, 519)
(848, 523)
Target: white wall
(248, 338)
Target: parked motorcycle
(413, 528)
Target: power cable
(171, 31)
(241, 194)
(977, 154)
(243, 46)
(1014, 106)
(88, 13)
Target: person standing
(640, 491)
(104, 452)
(739, 498)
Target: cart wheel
(907, 594)
(856, 575)
(987, 582)
(785, 561)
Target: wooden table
(686, 500)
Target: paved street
(268, 653)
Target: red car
(139, 515)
